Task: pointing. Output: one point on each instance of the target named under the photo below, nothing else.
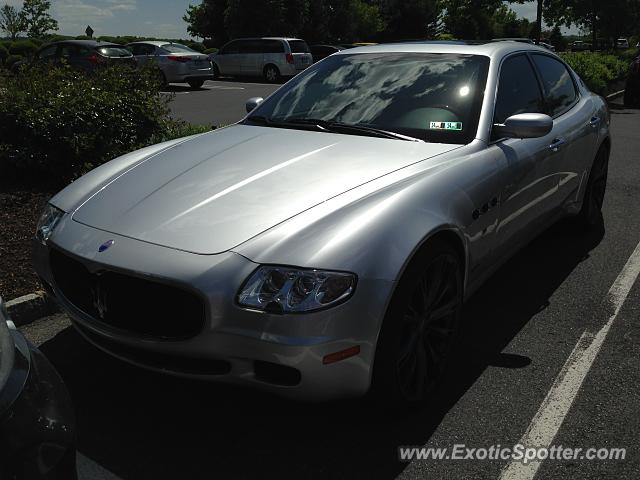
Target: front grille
(161, 361)
(127, 303)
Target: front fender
(374, 230)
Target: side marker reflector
(341, 355)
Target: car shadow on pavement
(138, 424)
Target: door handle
(556, 144)
(594, 121)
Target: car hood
(215, 191)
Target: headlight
(48, 221)
(285, 289)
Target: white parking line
(554, 408)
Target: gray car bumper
(280, 353)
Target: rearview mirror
(524, 125)
(252, 103)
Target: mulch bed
(19, 212)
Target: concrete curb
(27, 309)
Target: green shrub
(58, 123)
(209, 51)
(24, 48)
(11, 59)
(4, 54)
(598, 70)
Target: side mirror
(524, 125)
(252, 103)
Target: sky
(152, 18)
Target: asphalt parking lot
(217, 103)
(519, 331)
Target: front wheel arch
(442, 239)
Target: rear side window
(299, 46)
(250, 46)
(67, 51)
(272, 46)
(518, 89)
(230, 48)
(176, 48)
(114, 51)
(48, 52)
(142, 49)
(559, 89)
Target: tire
(590, 215)
(162, 79)
(195, 84)
(271, 73)
(414, 344)
(215, 71)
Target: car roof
(157, 43)
(489, 49)
(85, 43)
(266, 38)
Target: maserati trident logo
(106, 245)
(99, 300)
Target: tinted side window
(250, 46)
(143, 49)
(48, 52)
(229, 48)
(518, 90)
(559, 89)
(67, 51)
(273, 46)
(299, 46)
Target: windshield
(177, 48)
(431, 97)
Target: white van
(270, 58)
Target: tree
(608, 19)
(36, 18)
(470, 19)
(557, 39)
(411, 19)
(313, 20)
(11, 21)
(207, 21)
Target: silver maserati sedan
(323, 246)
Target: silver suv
(270, 58)
(177, 63)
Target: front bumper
(279, 353)
(37, 422)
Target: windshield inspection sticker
(457, 126)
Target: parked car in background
(579, 46)
(548, 46)
(622, 43)
(177, 63)
(37, 422)
(86, 55)
(514, 39)
(269, 57)
(323, 51)
(632, 87)
(324, 246)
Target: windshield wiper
(338, 127)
